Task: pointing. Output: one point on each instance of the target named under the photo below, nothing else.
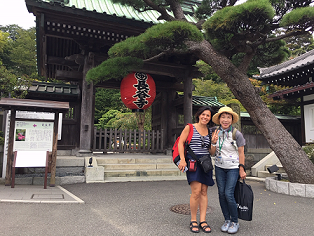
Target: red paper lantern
(138, 91)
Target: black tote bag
(244, 198)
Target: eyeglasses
(203, 141)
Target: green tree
(105, 100)
(126, 120)
(299, 45)
(10, 84)
(104, 120)
(19, 55)
(229, 31)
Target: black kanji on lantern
(142, 90)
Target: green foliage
(105, 100)
(1, 138)
(300, 44)
(3, 40)
(128, 120)
(216, 88)
(208, 72)
(210, 88)
(171, 35)
(309, 150)
(126, 56)
(268, 54)
(19, 54)
(110, 115)
(244, 19)
(23, 53)
(303, 17)
(207, 8)
(160, 37)
(114, 68)
(11, 85)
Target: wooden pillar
(303, 139)
(163, 114)
(187, 106)
(10, 149)
(54, 151)
(87, 121)
(172, 119)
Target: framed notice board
(33, 136)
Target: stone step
(136, 160)
(144, 178)
(141, 173)
(142, 166)
(139, 168)
(265, 173)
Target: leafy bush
(309, 150)
(1, 138)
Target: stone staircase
(265, 173)
(138, 167)
(260, 169)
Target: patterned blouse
(200, 144)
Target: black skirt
(199, 175)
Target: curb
(292, 189)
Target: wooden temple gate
(72, 39)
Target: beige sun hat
(235, 116)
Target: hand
(242, 173)
(182, 165)
(215, 136)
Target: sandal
(194, 226)
(205, 227)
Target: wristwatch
(242, 166)
(214, 144)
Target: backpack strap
(189, 138)
(234, 133)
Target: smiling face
(204, 117)
(225, 120)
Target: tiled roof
(296, 91)
(280, 117)
(52, 88)
(296, 63)
(205, 101)
(108, 8)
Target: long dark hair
(200, 111)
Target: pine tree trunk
(294, 160)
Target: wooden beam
(167, 69)
(72, 75)
(54, 151)
(160, 85)
(61, 61)
(10, 149)
(178, 101)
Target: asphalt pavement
(143, 208)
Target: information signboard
(33, 135)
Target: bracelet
(214, 144)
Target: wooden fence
(113, 140)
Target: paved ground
(36, 194)
(143, 208)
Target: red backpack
(175, 150)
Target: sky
(15, 12)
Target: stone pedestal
(93, 173)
